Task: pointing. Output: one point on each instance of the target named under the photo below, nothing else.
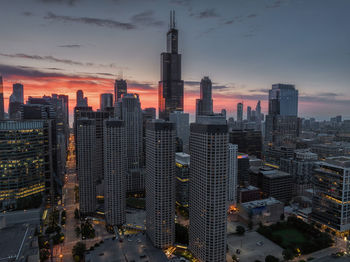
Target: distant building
(249, 113)
(114, 171)
(330, 203)
(2, 108)
(240, 112)
(243, 169)
(160, 183)
(81, 100)
(26, 171)
(249, 193)
(208, 188)
(249, 141)
(120, 89)
(182, 178)
(273, 155)
(148, 114)
(86, 164)
(204, 105)
(182, 122)
(267, 210)
(16, 100)
(106, 100)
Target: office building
(2, 106)
(331, 199)
(272, 182)
(81, 100)
(249, 113)
(247, 194)
(282, 122)
(160, 183)
(86, 164)
(249, 141)
(182, 123)
(243, 169)
(232, 173)
(120, 89)
(25, 161)
(171, 87)
(274, 154)
(15, 102)
(204, 105)
(114, 171)
(182, 178)
(208, 188)
(130, 112)
(106, 101)
(240, 112)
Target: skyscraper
(232, 173)
(120, 89)
(2, 109)
(114, 171)
(282, 122)
(171, 87)
(249, 113)
(81, 100)
(204, 105)
(131, 113)
(182, 122)
(208, 188)
(106, 100)
(86, 168)
(258, 111)
(160, 183)
(16, 100)
(240, 112)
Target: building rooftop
(248, 188)
(261, 203)
(182, 158)
(340, 161)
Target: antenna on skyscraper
(172, 19)
(120, 74)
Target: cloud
(181, 2)
(221, 87)
(70, 46)
(27, 13)
(90, 21)
(262, 90)
(192, 83)
(146, 18)
(67, 2)
(9, 71)
(275, 4)
(328, 94)
(141, 85)
(252, 15)
(207, 13)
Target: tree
(288, 254)
(77, 231)
(181, 234)
(240, 230)
(282, 217)
(271, 258)
(76, 213)
(78, 251)
(250, 225)
(234, 257)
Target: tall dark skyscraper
(81, 100)
(2, 111)
(204, 105)
(16, 100)
(120, 88)
(171, 87)
(106, 100)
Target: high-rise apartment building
(86, 164)
(331, 198)
(208, 188)
(232, 174)
(25, 160)
(182, 122)
(249, 113)
(171, 87)
(2, 108)
(106, 100)
(120, 89)
(160, 183)
(240, 112)
(204, 105)
(114, 171)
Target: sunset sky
(244, 46)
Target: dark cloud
(105, 74)
(141, 85)
(221, 87)
(146, 18)
(252, 15)
(323, 99)
(8, 71)
(181, 2)
(275, 4)
(192, 83)
(328, 94)
(70, 46)
(262, 90)
(66, 2)
(90, 21)
(207, 13)
(27, 13)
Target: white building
(232, 173)
(160, 183)
(114, 171)
(86, 160)
(208, 189)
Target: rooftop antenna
(174, 23)
(172, 19)
(120, 74)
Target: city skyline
(218, 41)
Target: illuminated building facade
(331, 199)
(182, 178)
(171, 87)
(160, 183)
(208, 188)
(25, 160)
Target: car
(259, 243)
